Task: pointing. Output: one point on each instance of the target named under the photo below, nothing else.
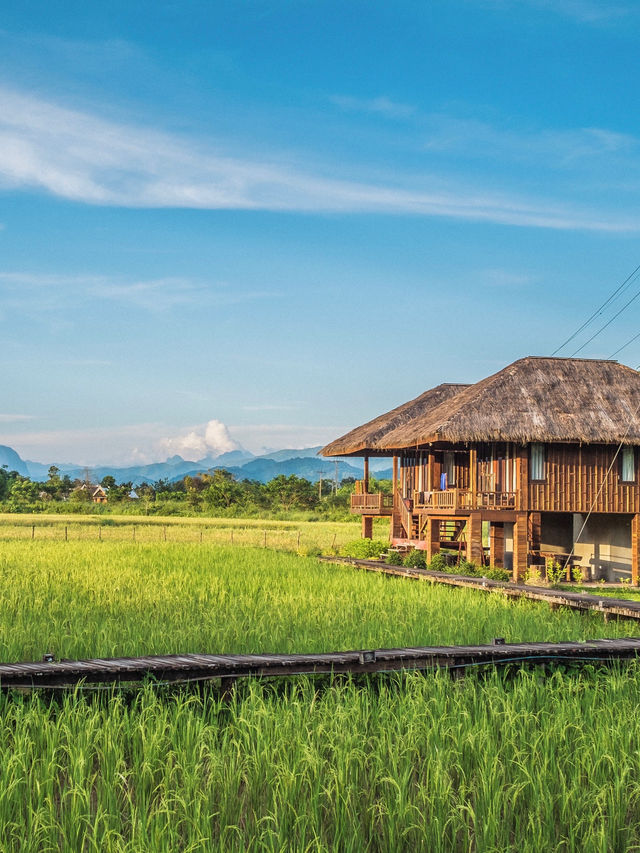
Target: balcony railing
(462, 499)
(372, 504)
(449, 500)
(495, 500)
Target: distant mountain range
(241, 463)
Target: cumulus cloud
(211, 439)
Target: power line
(618, 291)
(608, 323)
(625, 345)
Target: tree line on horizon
(215, 492)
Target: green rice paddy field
(404, 762)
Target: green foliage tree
(23, 495)
(54, 486)
(120, 491)
(7, 479)
(291, 492)
(222, 490)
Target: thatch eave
(535, 399)
(368, 439)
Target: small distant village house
(97, 494)
(543, 455)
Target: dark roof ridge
(565, 358)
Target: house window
(628, 472)
(537, 462)
(449, 468)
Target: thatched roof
(533, 399)
(365, 438)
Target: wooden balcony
(372, 504)
(455, 500)
(496, 500)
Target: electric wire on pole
(629, 280)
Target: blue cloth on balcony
(443, 481)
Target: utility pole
(335, 477)
(321, 473)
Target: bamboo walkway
(172, 669)
(617, 608)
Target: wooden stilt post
(520, 546)
(535, 530)
(432, 536)
(394, 475)
(473, 475)
(496, 545)
(365, 477)
(367, 527)
(635, 549)
(475, 551)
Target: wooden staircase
(406, 525)
(406, 522)
(452, 533)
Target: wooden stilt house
(537, 462)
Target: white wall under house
(604, 548)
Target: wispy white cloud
(381, 105)
(270, 407)
(152, 295)
(142, 443)
(14, 418)
(82, 157)
(548, 148)
(122, 444)
(584, 11)
(256, 436)
(505, 278)
(86, 445)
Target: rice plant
(398, 762)
(405, 763)
(110, 599)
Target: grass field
(285, 535)
(403, 762)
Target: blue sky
(281, 219)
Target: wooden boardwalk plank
(176, 668)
